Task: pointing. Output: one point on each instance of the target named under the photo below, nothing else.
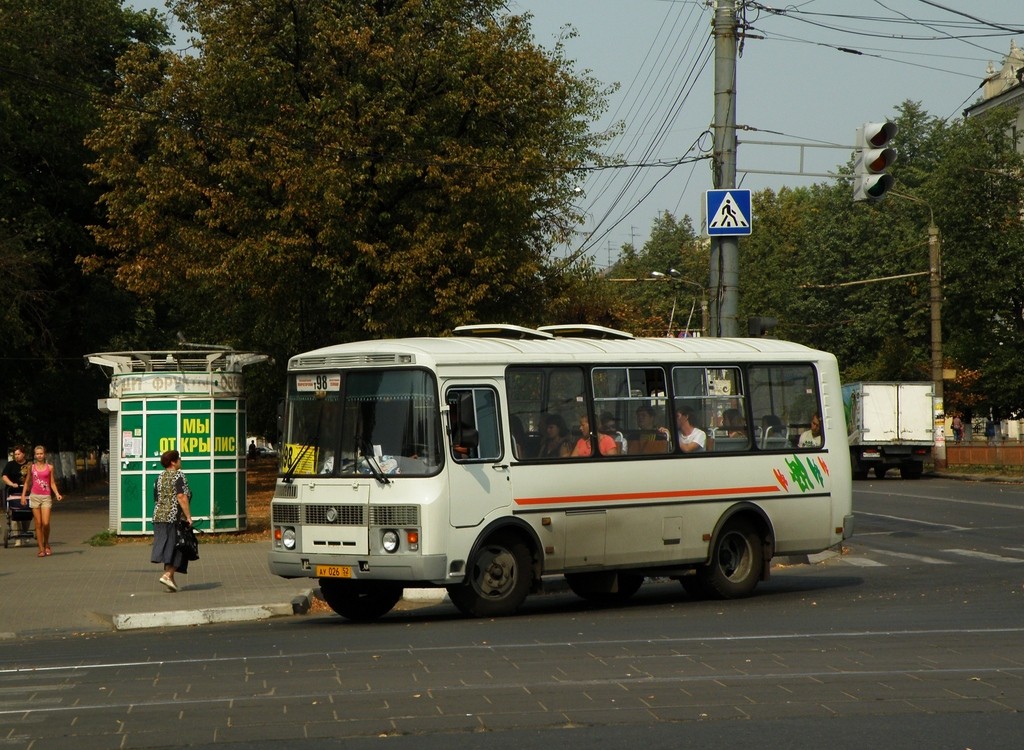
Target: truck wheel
(361, 601)
(497, 581)
(912, 470)
(736, 561)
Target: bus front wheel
(735, 566)
(497, 581)
(358, 600)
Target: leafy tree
(56, 58)
(837, 275)
(672, 302)
(320, 171)
(977, 193)
(327, 170)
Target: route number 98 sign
(318, 383)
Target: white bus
(468, 462)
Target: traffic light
(874, 156)
(759, 326)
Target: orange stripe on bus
(646, 495)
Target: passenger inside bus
(556, 443)
(610, 426)
(773, 432)
(518, 436)
(650, 437)
(691, 439)
(811, 437)
(585, 445)
(733, 424)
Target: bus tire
(605, 588)
(497, 580)
(736, 562)
(360, 601)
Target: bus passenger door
(478, 476)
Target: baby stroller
(16, 514)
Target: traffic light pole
(724, 277)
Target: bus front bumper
(412, 569)
(848, 526)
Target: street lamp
(674, 275)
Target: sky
(808, 73)
(793, 85)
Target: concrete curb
(421, 596)
(245, 613)
(140, 620)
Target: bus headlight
(390, 540)
(288, 538)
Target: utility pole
(724, 278)
(935, 285)
(935, 299)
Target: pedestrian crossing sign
(728, 212)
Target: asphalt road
(911, 639)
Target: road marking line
(913, 520)
(943, 499)
(863, 562)
(911, 556)
(984, 555)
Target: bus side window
(782, 396)
(626, 410)
(536, 396)
(473, 424)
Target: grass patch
(1012, 470)
(105, 538)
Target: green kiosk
(189, 401)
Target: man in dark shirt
(14, 476)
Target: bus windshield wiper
(371, 460)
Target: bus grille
(347, 515)
(286, 490)
(286, 513)
(394, 515)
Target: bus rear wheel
(360, 601)
(497, 581)
(735, 566)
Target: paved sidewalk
(82, 589)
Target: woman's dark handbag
(185, 540)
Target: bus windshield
(380, 422)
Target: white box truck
(889, 425)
